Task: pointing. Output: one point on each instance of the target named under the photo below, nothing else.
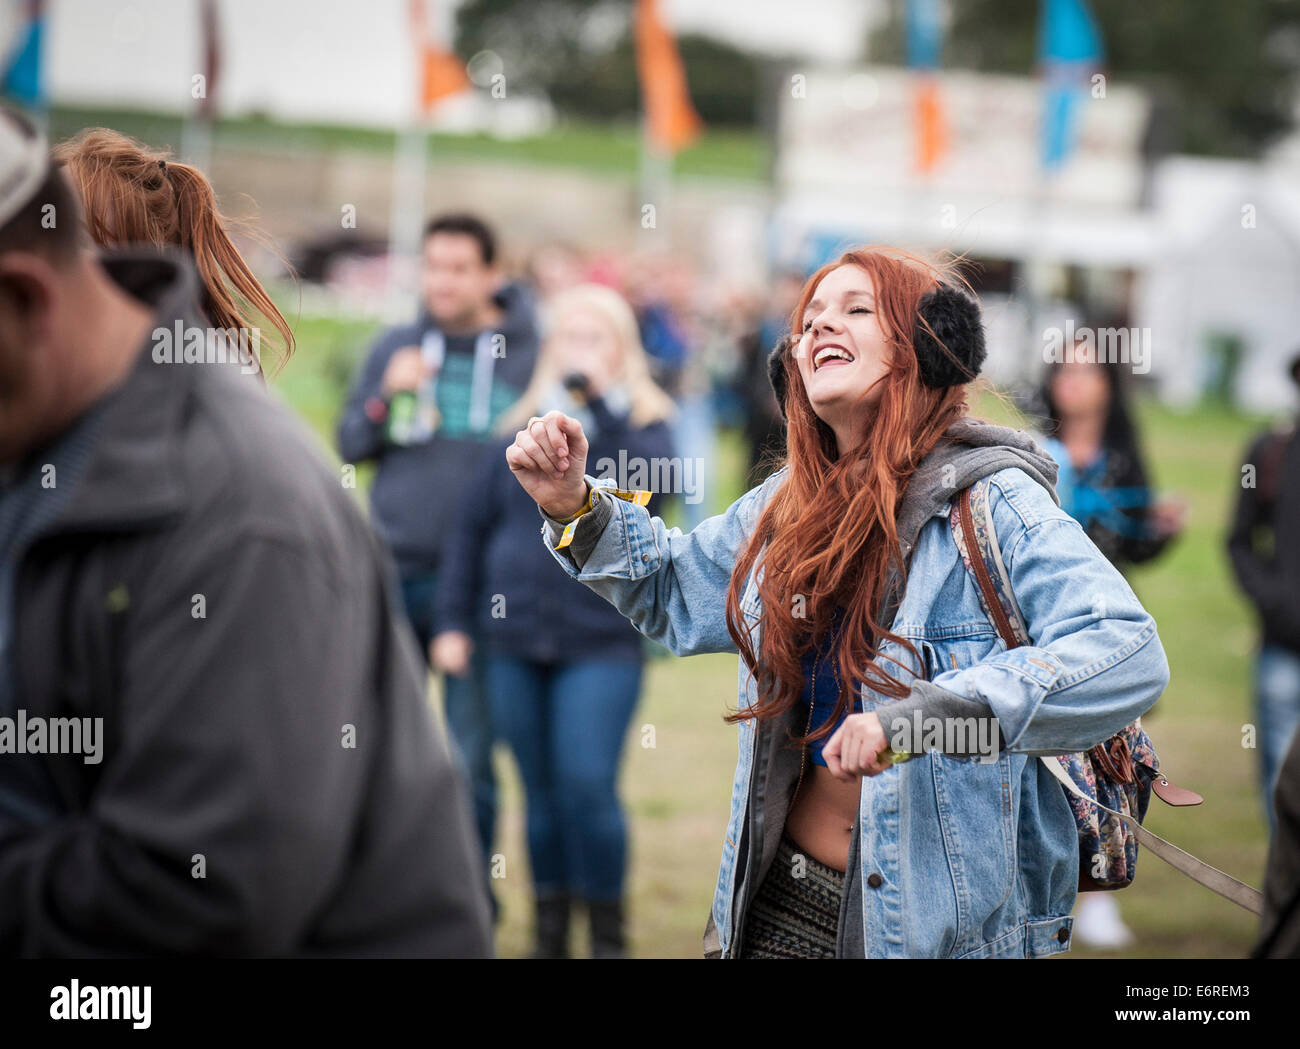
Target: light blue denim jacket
(953, 856)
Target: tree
(580, 54)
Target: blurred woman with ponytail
(134, 195)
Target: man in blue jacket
(467, 358)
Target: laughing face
(843, 354)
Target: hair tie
(162, 164)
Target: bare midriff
(821, 817)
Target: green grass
(677, 792)
(612, 149)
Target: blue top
(823, 704)
(1090, 496)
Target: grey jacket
(272, 781)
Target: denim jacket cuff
(586, 529)
(925, 701)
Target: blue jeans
(469, 722)
(695, 437)
(565, 723)
(1277, 713)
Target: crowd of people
(182, 568)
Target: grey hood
(968, 451)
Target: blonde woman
(563, 668)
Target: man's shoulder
(388, 340)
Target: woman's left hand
(854, 749)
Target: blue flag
(1069, 51)
(22, 80)
(924, 33)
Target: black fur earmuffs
(954, 319)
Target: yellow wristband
(591, 495)
(637, 497)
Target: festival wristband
(591, 495)
(639, 497)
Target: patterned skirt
(796, 913)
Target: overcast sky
(347, 60)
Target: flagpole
(196, 141)
(197, 124)
(438, 74)
(410, 169)
(655, 178)
(405, 218)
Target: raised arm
(672, 587)
(361, 431)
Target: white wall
(1218, 273)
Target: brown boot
(608, 938)
(551, 931)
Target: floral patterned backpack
(1109, 786)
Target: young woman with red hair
(839, 584)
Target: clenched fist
(858, 747)
(549, 458)
(405, 371)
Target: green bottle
(402, 410)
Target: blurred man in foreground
(213, 734)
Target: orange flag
(931, 132)
(443, 75)
(664, 95)
(441, 72)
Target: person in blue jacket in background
(1103, 484)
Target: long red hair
(829, 531)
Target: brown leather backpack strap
(1172, 794)
(992, 602)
